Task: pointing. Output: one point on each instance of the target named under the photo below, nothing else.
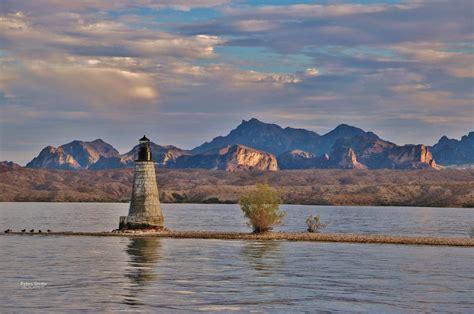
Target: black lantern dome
(144, 151)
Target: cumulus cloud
(99, 65)
(87, 62)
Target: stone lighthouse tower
(145, 211)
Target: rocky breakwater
(271, 236)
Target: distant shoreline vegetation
(417, 188)
(228, 202)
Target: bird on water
(8, 231)
(32, 230)
(23, 230)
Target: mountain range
(256, 145)
(455, 152)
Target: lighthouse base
(142, 221)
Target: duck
(8, 231)
(23, 230)
(39, 231)
(49, 230)
(32, 230)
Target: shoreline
(236, 203)
(410, 188)
(272, 236)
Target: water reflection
(144, 254)
(263, 256)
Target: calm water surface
(180, 275)
(104, 217)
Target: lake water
(58, 273)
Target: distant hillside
(9, 165)
(444, 188)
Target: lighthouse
(145, 211)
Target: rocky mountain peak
(469, 137)
(444, 139)
(345, 130)
(252, 121)
(264, 136)
(241, 157)
(348, 159)
(49, 149)
(454, 152)
(55, 158)
(73, 155)
(253, 125)
(230, 158)
(88, 153)
(411, 157)
(98, 141)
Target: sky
(183, 72)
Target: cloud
(90, 67)
(311, 72)
(79, 36)
(347, 24)
(87, 62)
(71, 85)
(254, 25)
(457, 64)
(307, 10)
(50, 6)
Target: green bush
(262, 208)
(314, 223)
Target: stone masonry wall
(145, 207)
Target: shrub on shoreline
(262, 208)
(314, 223)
